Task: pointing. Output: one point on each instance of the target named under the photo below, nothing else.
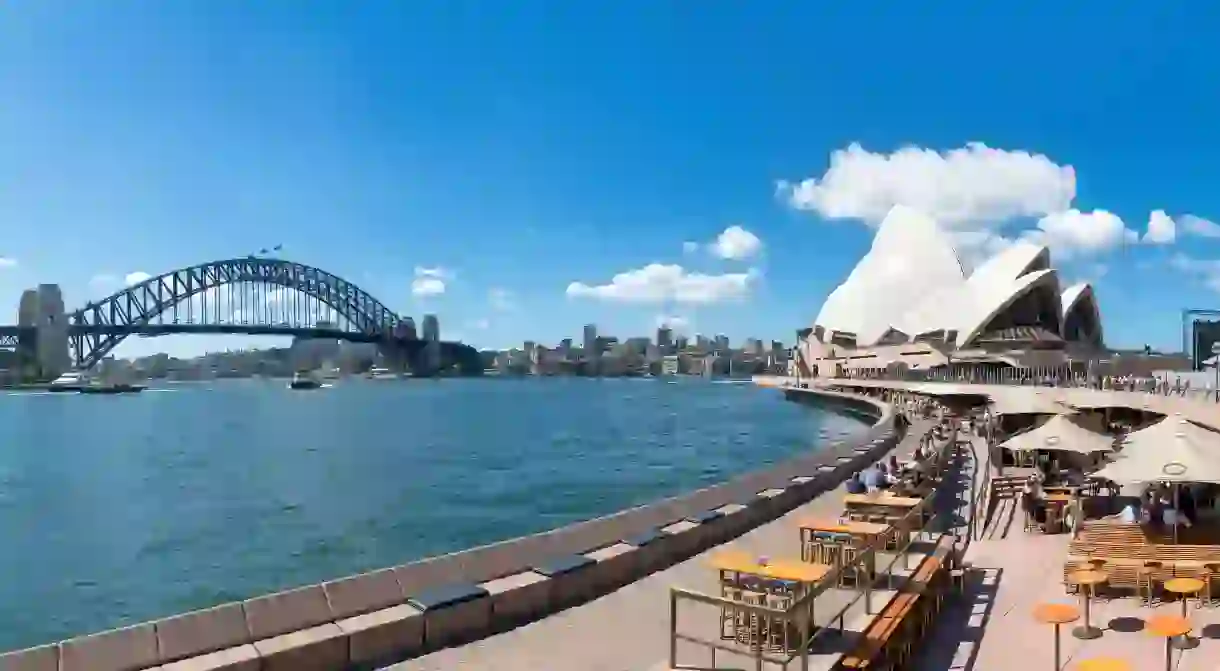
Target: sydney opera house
(910, 303)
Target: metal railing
(800, 615)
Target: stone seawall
(375, 618)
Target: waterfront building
(909, 302)
(664, 338)
(590, 341)
(432, 328)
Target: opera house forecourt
(909, 303)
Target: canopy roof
(1064, 433)
(1172, 450)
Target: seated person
(855, 484)
(1033, 499)
(872, 478)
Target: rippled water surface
(125, 508)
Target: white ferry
(70, 381)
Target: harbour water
(118, 509)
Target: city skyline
(516, 187)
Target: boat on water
(376, 373)
(111, 388)
(302, 380)
(68, 382)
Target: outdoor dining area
(777, 609)
(1141, 508)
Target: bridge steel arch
(140, 303)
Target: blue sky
(524, 146)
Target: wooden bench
(895, 629)
(1126, 548)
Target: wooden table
(1103, 664)
(1183, 587)
(775, 569)
(870, 533)
(884, 501)
(1088, 580)
(1057, 614)
(1168, 627)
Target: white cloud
(481, 324)
(736, 243)
(1199, 226)
(136, 277)
(7, 262)
(1161, 229)
(1207, 271)
(429, 282)
(501, 299)
(659, 283)
(959, 188)
(1073, 232)
(689, 247)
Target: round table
(1184, 587)
(1087, 580)
(1168, 627)
(1103, 664)
(1057, 614)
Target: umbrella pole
(1177, 511)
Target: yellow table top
(882, 499)
(855, 528)
(777, 569)
(1056, 613)
(1183, 585)
(1088, 577)
(1103, 664)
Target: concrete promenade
(629, 628)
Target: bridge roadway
(629, 629)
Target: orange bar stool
(1057, 614)
(1168, 627)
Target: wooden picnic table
(883, 499)
(734, 561)
(871, 535)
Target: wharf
(629, 628)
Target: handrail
(982, 493)
(800, 613)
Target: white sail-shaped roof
(911, 281)
(910, 259)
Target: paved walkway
(629, 629)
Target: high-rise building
(664, 338)
(432, 328)
(681, 343)
(590, 342)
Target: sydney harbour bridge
(247, 296)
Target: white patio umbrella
(1063, 433)
(1173, 450)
